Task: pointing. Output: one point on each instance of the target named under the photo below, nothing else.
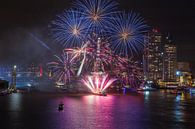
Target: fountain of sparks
(98, 81)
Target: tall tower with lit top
(13, 79)
(98, 66)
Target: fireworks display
(98, 82)
(77, 53)
(97, 13)
(128, 33)
(98, 44)
(62, 68)
(69, 29)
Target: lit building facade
(184, 75)
(183, 66)
(153, 57)
(169, 62)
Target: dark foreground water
(147, 110)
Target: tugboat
(61, 107)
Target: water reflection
(179, 109)
(146, 110)
(181, 103)
(99, 112)
(84, 112)
(146, 95)
(184, 97)
(15, 102)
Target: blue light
(29, 85)
(178, 73)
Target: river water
(145, 110)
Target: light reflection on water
(180, 106)
(146, 95)
(15, 102)
(179, 109)
(146, 110)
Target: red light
(40, 71)
(155, 30)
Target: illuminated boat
(100, 94)
(146, 88)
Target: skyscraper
(170, 62)
(153, 57)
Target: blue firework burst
(97, 13)
(69, 29)
(127, 33)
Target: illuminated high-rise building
(160, 58)
(153, 57)
(170, 62)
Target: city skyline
(97, 64)
(18, 18)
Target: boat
(100, 94)
(3, 93)
(146, 88)
(61, 107)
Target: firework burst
(128, 33)
(69, 29)
(97, 13)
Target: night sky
(18, 18)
